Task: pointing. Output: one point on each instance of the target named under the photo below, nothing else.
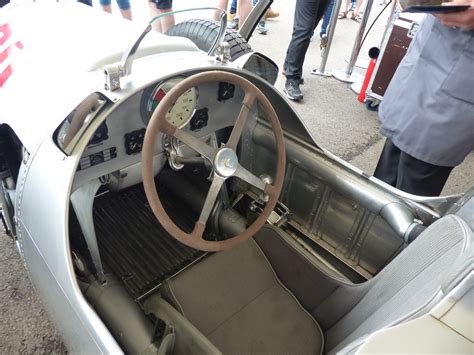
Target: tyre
(204, 32)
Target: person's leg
(221, 4)
(387, 166)
(232, 11)
(355, 14)
(261, 24)
(307, 15)
(344, 9)
(303, 25)
(159, 8)
(327, 18)
(154, 11)
(243, 9)
(125, 8)
(420, 178)
(106, 6)
(233, 7)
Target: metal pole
(348, 76)
(332, 28)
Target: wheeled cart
(394, 46)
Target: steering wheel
(224, 160)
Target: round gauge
(182, 110)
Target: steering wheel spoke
(250, 178)
(195, 144)
(211, 197)
(234, 138)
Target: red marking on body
(4, 75)
(5, 35)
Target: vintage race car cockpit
(176, 203)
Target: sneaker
(292, 90)
(261, 28)
(301, 80)
(231, 16)
(234, 24)
(271, 14)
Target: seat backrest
(409, 286)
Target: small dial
(182, 109)
(225, 91)
(101, 134)
(199, 119)
(134, 141)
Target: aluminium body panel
(44, 186)
(51, 68)
(43, 215)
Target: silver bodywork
(61, 68)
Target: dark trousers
(409, 174)
(4, 2)
(308, 13)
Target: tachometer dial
(182, 110)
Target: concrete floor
(331, 112)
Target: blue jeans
(122, 4)
(327, 18)
(233, 6)
(86, 2)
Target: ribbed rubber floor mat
(134, 245)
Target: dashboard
(114, 151)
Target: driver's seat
(237, 301)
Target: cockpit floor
(132, 243)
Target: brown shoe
(271, 14)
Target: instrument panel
(118, 142)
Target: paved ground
(331, 112)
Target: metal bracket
(278, 215)
(413, 30)
(171, 147)
(82, 201)
(113, 73)
(222, 52)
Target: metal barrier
(348, 76)
(332, 28)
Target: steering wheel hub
(226, 162)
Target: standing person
(308, 13)
(233, 20)
(356, 12)
(427, 113)
(124, 6)
(159, 7)
(243, 9)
